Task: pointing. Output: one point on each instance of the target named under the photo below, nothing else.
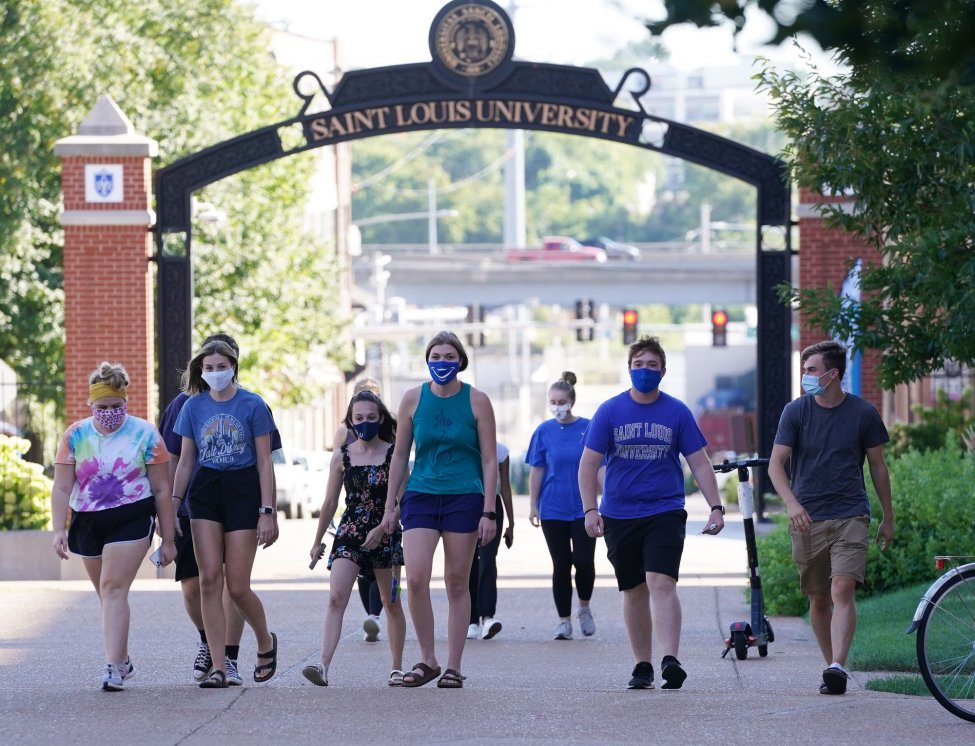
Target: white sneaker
(370, 629)
(111, 678)
(564, 630)
(490, 628)
(126, 669)
(233, 677)
(586, 623)
(203, 662)
(473, 631)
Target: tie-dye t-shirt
(110, 470)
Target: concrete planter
(27, 555)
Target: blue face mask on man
(645, 380)
(366, 430)
(443, 371)
(810, 384)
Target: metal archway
(472, 81)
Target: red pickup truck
(559, 249)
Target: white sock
(834, 664)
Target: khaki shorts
(830, 548)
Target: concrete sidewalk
(522, 686)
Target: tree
(904, 145)
(895, 35)
(161, 61)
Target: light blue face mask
(645, 380)
(810, 384)
(443, 371)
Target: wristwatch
(490, 514)
(265, 510)
(718, 507)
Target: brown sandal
(427, 674)
(451, 679)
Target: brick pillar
(108, 300)
(824, 254)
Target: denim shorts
(458, 514)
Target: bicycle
(945, 626)
(757, 633)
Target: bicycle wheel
(946, 645)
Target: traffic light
(586, 309)
(630, 321)
(719, 328)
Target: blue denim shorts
(458, 514)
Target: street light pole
(432, 216)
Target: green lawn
(880, 643)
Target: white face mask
(561, 411)
(218, 380)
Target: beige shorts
(830, 548)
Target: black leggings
(372, 602)
(483, 581)
(569, 545)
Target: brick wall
(824, 254)
(108, 284)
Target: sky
(374, 33)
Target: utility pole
(514, 179)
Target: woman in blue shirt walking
(553, 455)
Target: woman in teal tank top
(450, 495)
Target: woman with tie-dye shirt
(111, 470)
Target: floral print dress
(365, 502)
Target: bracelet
(589, 511)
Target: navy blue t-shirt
(643, 444)
(557, 448)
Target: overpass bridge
(486, 278)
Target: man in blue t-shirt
(187, 572)
(825, 436)
(641, 434)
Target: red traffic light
(719, 318)
(630, 317)
(630, 320)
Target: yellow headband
(101, 389)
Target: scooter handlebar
(726, 466)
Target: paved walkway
(522, 687)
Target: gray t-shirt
(828, 450)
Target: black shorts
(637, 546)
(231, 498)
(186, 566)
(91, 531)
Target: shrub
(933, 424)
(25, 491)
(932, 515)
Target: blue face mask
(810, 384)
(444, 371)
(366, 430)
(645, 380)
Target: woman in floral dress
(360, 543)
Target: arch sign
(472, 80)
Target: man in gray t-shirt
(824, 437)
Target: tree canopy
(926, 37)
(188, 73)
(904, 146)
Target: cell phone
(321, 553)
(156, 557)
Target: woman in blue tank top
(450, 495)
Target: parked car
(295, 494)
(557, 248)
(613, 249)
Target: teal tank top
(448, 454)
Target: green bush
(933, 424)
(932, 494)
(25, 491)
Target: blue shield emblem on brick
(104, 183)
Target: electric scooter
(758, 632)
